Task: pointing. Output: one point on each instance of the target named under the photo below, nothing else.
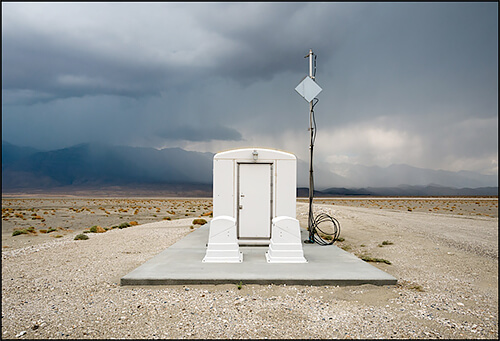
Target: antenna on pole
(309, 89)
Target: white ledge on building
(285, 245)
(222, 242)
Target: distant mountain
(11, 153)
(322, 177)
(405, 190)
(93, 165)
(96, 164)
(397, 174)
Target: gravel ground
(446, 265)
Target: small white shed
(254, 185)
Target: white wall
(225, 180)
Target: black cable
(322, 237)
(316, 234)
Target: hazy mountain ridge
(399, 174)
(94, 165)
(97, 164)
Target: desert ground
(443, 251)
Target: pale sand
(446, 265)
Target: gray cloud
(210, 76)
(190, 133)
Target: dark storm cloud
(250, 42)
(190, 133)
(62, 71)
(396, 77)
(264, 36)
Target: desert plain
(443, 251)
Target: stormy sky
(413, 83)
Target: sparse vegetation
(416, 287)
(199, 221)
(97, 229)
(123, 225)
(345, 247)
(18, 232)
(375, 260)
(385, 242)
(240, 285)
(81, 236)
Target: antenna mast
(311, 149)
(309, 89)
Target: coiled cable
(321, 236)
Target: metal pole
(311, 179)
(311, 63)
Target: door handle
(241, 207)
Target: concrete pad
(182, 263)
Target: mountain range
(94, 165)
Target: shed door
(254, 216)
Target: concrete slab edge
(319, 282)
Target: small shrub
(191, 227)
(57, 236)
(417, 287)
(240, 285)
(346, 247)
(81, 236)
(18, 232)
(86, 231)
(97, 229)
(199, 222)
(133, 223)
(51, 230)
(340, 239)
(123, 225)
(167, 218)
(386, 242)
(43, 231)
(375, 260)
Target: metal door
(254, 200)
